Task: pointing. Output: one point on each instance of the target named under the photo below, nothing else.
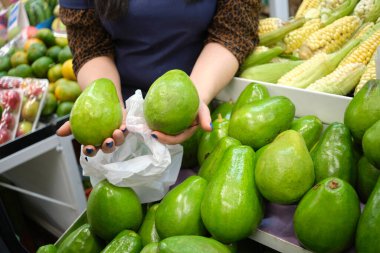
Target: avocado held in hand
(172, 102)
(96, 113)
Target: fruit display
(41, 66)
(328, 46)
(323, 171)
(10, 104)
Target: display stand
(46, 173)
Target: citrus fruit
(64, 55)
(5, 63)
(66, 90)
(55, 72)
(50, 104)
(19, 57)
(47, 36)
(3, 73)
(62, 42)
(41, 66)
(51, 88)
(35, 51)
(64, 108)
(24, 70)
(111, 209)
(68, 71)
(53, 52)
(30, 42)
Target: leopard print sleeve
(235, 26)
(87, 37)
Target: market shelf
(43, 168)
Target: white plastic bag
(141, 162)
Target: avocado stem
(220, 118)
(333, 184)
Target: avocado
(212, 162)
(191, 244)
(171, 103)
(147, 230)
(252, 92)
(310, 127)
(179, 211)
(284, 171)
(326, 217)
(363, 110)
(333, 155)
(368, 230)
(367, 178)
(258, 123)
(224, 109)
(231, 207)
(96, 113)
(371, 144)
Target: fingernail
(124, 129)
(89, 150)
(109, 144)
(211, 125)
(154, 136)
(86, 158)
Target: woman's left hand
(203, 119)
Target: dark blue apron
(155, 36)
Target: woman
(134, 42)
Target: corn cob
(320, 65)
(369, 74)
(269, 24)
(269, 72)
(331, 37)
(364, 29)
(305, 6)
(367, 10)
(294, 39)
(332, 10)
(274, 36)
(364, 52)
(261, 55)
(341, 81)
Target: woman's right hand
(108, 145)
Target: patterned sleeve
(235, 26)
(87, 37)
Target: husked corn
(369, 74)
(294, 39)
(363, 52)
(305, 6)
(331, 37)
(269, 24)
(341, 81)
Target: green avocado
(368, 230)
(284, 171)
(96, 113)
(310, 127)
(209, 140)
(258, 123)
(179, 211)
(363, 110)
(333, 155)
(81, 240)
(190, 150)
(212, 162)
(172, 102)
(127, 241)
(231, 208)
(148, 230)
(224, 109)
(191, 244)
(367, 178)
(326, 217)
(371, 144)
(252, 92)
(152, 247)
(49, 248)
(111, 209)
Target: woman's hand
(108, 145)
(203, 119)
